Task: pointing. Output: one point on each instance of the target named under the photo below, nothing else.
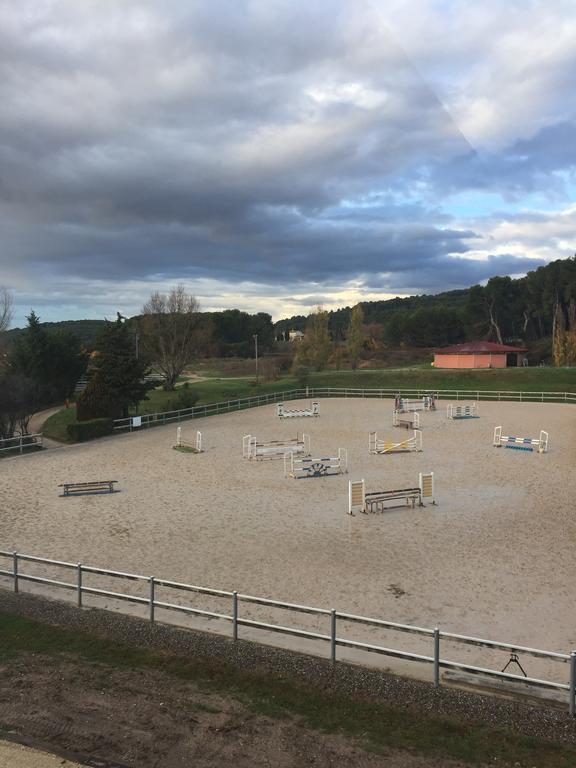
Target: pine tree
(117, 382)
(570, 346)
(559, 336)
(355, 336)
(53, 361)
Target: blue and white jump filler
(540, 444)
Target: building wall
(470, 361)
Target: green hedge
(80, 431)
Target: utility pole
(255, 337)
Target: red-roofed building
(478, 354)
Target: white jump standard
(410, 422)
(379, 501)
(283, 413)
(188, 446)
(378, 445)
(521, 443)
(405, 404)
(274, 449)
(462, 411)
(299, 468)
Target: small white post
(436, 657)
(234, 616)
(572, 691)
(333, 636)
(152, 584)
(179, 437)
(79, 584)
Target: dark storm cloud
(266, 141)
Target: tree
(355, 336)
(6, 309)
(173, 332)
(53, 361)
(559, 337)
(314, 350)
(117, 380)
(18, 401)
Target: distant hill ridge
(86, 330)
(380, 311)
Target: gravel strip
(403, 693)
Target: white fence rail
(21, 443)
(212, 409)
(336, 623)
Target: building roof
(478, 347)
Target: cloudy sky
(274, 154)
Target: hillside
(86, 330)
(527, 310)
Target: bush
(186, 397)
(80, 431)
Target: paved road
(37, 422)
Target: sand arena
(494, 559)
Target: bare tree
(6, 308)
(173, 332)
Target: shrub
(186, 397)
(80, 431)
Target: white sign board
(136, 421)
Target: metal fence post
(152, 585)
(234, 616)
(436, 657)
(15, 570)
(79, 587)
(572, 690)
(333, 636)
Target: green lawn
(526, 379)
(55, 427)
(381, 725)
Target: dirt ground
(144, 719)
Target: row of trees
(38, 369)
(506, 310)
(317, 349)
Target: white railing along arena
(212, 409)
(335, 621)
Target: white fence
(337, 624)
(212, 409)
(21, 443)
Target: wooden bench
(375, 502)
(96, 486)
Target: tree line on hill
(41, 364)
(541, 305)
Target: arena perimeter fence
(21, 443)
(335, 621)
(134, 423)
